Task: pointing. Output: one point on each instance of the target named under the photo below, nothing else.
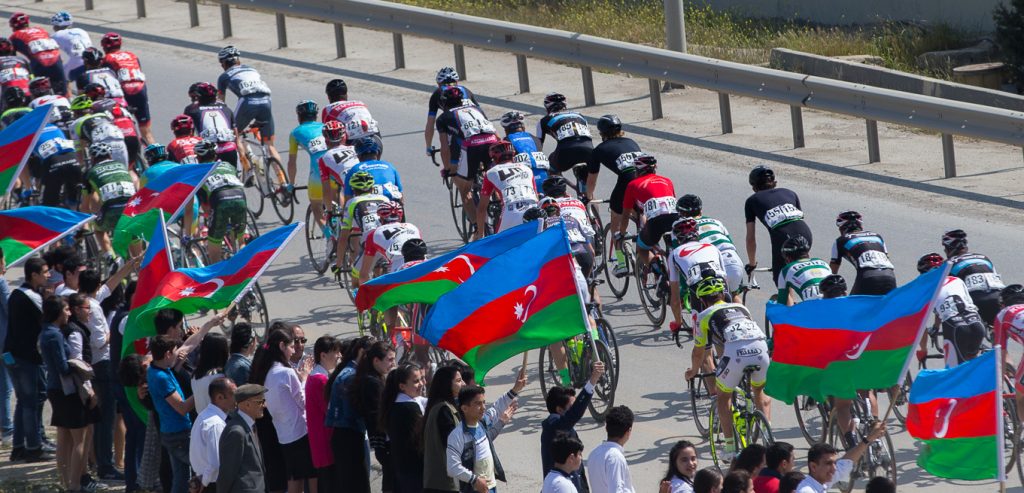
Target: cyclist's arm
(446, 151)
(591, 183)
(837, 259)
(293, 157)
(676, 302)
(627, 210)
(364, 270)
(751, 243)
(428, 131)
(481, 213)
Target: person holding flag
(825, 470)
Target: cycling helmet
(550, 207)
(100, 151)
(832, 286)
(609, 124)
(81, 103)
(6, 48)
(40, 86)
(554, 186)
(204, 92)
(928, 262)
(689, 205)
(1012, 295)
(307, 108)
(686, 230)
(955, 240)
(414, 249)
(447, 75)
(848, 221)
(709, 286)
(532, 214)
(228, 53)
(451, 97)
(155, 153)
(389, 212)
(92, 56)
(501, 152)
(761, 176)
(182, 124)
(337, 87)
(334, 132)
(367, 145)
(511, 119)
(361, 181)
(95, 91)
(795, 246)
(554, 102)
(18, 20)
(645, 163)
(111, 41)
(15, 97)
(205, 148)
(61, 19)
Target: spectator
(401, 414)
(472, 459)
(880, 484)
(790, 481)
(365, 391)
(348, 440)
(213, 354)
(565, 411)
(738, 481)
(442, 417)
(567, 453)
(779, 460)
(609, 472)
(203, 451)
(55, 261)
(71, 269)
(682, 466)
(243, 347)
(298, 340)
(6, 387)
(825, 470)
(132, 378)
(326, 353)
(172, 407)
(707, 480)
(242, 467)
(750, 459)
(69, 412)
(25, 364)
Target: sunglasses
(300, 340)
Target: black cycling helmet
(796, 246)
(228, 53)
(532, 214)
(307, 109)
(761, 177)
(92, 56)
(554, 102)
(832, 286)
(554, 186)
(15, 97)
(6, 47)
(205, 92)
(849, 221)
(336, 88)
(685, 230)
(451, 97)
(100, 151)
(609, 125)
(512, 119)
(1012, 295)
(954, 241)
(155, 153)
(928, 262)
(414, 249)
(205, 149)
(95, 91)
(689, 205)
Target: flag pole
(1000, 437)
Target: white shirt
(679, 485)
(72, 41)
(64, 291)
(99, 331)
(557, 482)
(203, 447)
(607, 469)
(810, 485)
(422, 401)
(286, 401)
(201, 390)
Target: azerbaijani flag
(170, 193)
(27, 230)
(523, 299)
(958, 414)
(426, 282)
(834, 347)
(17, 142)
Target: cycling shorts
(738, 355)
(874, 282)
(62, 173)
(314, 187)
(779, 236)
(58, 80)
(139, 104)
(619, 192)
(133, 146)
(962, 337)
(656, 227)
(248, 111)
(110, 213)
(227, 215)
(988, 304)
(568, 154)
(229, 157)
(584, 259)
(734, 272)
(472, 159)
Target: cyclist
(571, 133)
(802, 274)
(223, 197)
(867, 252)
(616, 152)
(71, 40)
(414, 251)
(55, 155)
(446, 77)
(42, 51)
(557, 188)
(42, 93)
(360, 216)
(977, 272)
(182, 146)
(96, 72)
(466, 124)
(731, 326)
(689, 263)
(109, 186)
(15, 105)
(214, 121)
(129, 71)
(93, 125)
(14, 71)
(1010, 323)
(779, 210)
(308, 134)
(385, 176)
(335, 164)
(253, 95)
(352, 114)
(963, 330)
(386, 240)
(525, 145)
(159, 162)
(655, 196)
(121, 117)
(713, 231)
(512, 182)
(833, 286)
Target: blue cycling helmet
(307, 108)
(62, 19)
(367, 145)
(154, 153)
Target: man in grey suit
(241, 461)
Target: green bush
(1010, 37)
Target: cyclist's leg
(464, 182)
(844, 417)
(561, 362)
(110, 213)
(266, 114)
(727, 378)
(140, 102)
(217, 228)
(759, 377)
(53, 180)
(314, 190)
(1018, 386)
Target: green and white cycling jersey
(110, 179)
(724, 323)
(803, 276)
(713, 231)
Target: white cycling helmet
(62, 19)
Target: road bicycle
(749, 424)
(410, 347)
(878, 460)
(322, 240)
(581, 352)
(654, 296)
(604, 329)
(454, 197)
(266, 177)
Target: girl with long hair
(442, 417)
(366, 391)
(213, 354)
(401, 414)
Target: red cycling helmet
(204, 91)
(389, 212)
(929, 261)
(18, 20)
(182, 124)
(111, 41)
(501, 152)
(334, 132)
(95, 91)
(686, 229)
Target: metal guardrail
(873, 104)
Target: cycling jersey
(564, 126)
(155, 170)
(181, 149)
(514, 183)
(573, 229)
(953, 300)
(583, 259)
(52, 141)
(693, 261)
(336, 163)
(128, 69)
(111, 181)
(616, 154)
(977, 272)
(435, 100)
(528, 153)
(221, 185)
(469, 124)
(354, 116)
(714, 232)
(214, 122)
(386, 241)
(14, 72)
(743, 341)
(653, 194)
(245, 82)
(779, 210)
(863, 249)
(361, 212)
(37, 45)
(308, 135)
(73, 42)
(385, 178)
(103, 76)
(59, 103)
(98, 127)
(1009, 323)
(124, 120)
(802, 276)
(574, 208)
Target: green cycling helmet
(709, 286)
(81, 103)
(361, 181)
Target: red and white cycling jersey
(514, 182)
(181, 149)
(37, 44)
(14, 72)
(386, 240)
(336, 162)
(654, 194)
(126, 65)
(1009, 323)
(57, 101)
(575, 209)
(689, 260)
(125, 121)
(953, 299)
(353, 115)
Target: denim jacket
(340, 411)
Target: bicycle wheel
(606, 335)
(318, 245)
(604, 391)
(548, 374)
(345, 278)
(812, 418)
(455, 201)
(651, 296)
(901, 395)
(252, 307)
(717, 447)
(280, 197)
(618, 285)
(702, 402)
(255, 193)
(193, 255)
(759, 430)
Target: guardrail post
(524, 74)
(282, 32)
(797, 115)
(948, 156)
(225, 19)
(726, 110)
(339, 40)
(588, 86)
(399, 50)
(873, 155)
(193, 13)
(140, 8)
(88, 5)
(460, 62)
(655, 87)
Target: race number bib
(873, 259)
(811, 292)
(537, 160)
(950, 307)
(54, 146)
(217, 182)
(13, 73)
(472, 122)
(131, 75)
(318, 144)
(391, 190)
(358, 122)
(658, 206)
(782, 214)
(249, 82)
(40, 45)
(116, 190)
(106, 131)
(696, 272)
(983, 281)
(625, 160)
(572, 129)
(741, 330)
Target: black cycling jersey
(567, 127)
(434, 105)
(615, 154)
(864, 249)
(976, 271)
(774, 207)
(464, 122)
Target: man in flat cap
(241, 460)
